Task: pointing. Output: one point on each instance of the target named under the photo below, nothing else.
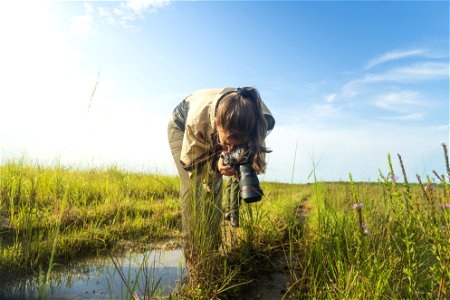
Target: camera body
(240, 159)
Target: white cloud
(394, 55)
(330, 98)
(139, 6)
(399, 100)
(127, 12)
(106, 15)
(416, 72)
(407, 117)
(326, 110)
(122, 13)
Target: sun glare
(42, 86)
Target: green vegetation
(249, 250)
(389, 240)
(346, 240)
(67, 213)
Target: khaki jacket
(199, 142)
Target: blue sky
(348, 82)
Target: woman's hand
(226, 169)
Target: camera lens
(249, 184)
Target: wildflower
(429, 187)
(394, 177)
(445, 204)
(364, 228)
(358, 206)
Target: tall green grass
(245, 252)
(385, 240)
(66, 213)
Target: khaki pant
(201, 210)
(232, 200)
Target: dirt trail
(269, 286)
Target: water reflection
(154, 272)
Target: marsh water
(109, 277)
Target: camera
(240, 159)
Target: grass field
(349, 240)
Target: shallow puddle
(155, 272)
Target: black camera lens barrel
(249, 184)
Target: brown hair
(240, 115)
